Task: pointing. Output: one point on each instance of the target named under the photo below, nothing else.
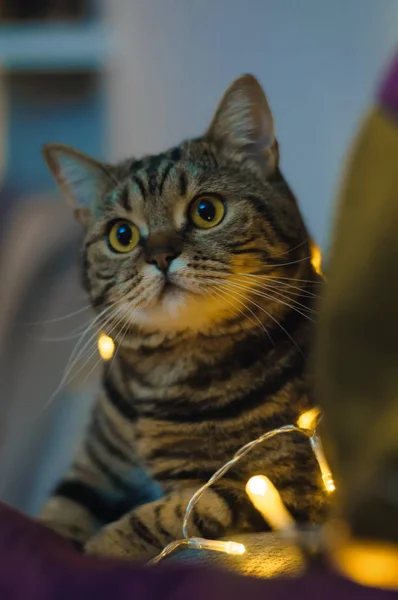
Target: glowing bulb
(217, 546)
(368, 563)
(235, 548)
(309, 419)
(106, 347)
(327, 476)
(316, 258)
(267, 500)
(328, 482)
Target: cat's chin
(175, 309)
(168, 310)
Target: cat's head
(184, 239)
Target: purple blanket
(36, 564)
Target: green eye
(206, 212)
(123, 236)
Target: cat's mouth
(168, 287)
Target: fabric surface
(266, 556)
(38, 565)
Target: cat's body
(200, 262)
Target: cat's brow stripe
(124, 198)
(136, 179)
(183, 183)
(164, 177)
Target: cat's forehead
(157, 188)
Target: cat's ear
(83, 180)
(243, 123)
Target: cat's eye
(206, 211)
(123, 236)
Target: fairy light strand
(236, 458)
(230, 547)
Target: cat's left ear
(243, 124)
(83, 180)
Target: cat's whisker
(273, 298)
(278, 292)
(90, 326)
(292, 249)
(63, 338)
(57, 319)
(124, 331)
(261, 308)
(287, 264)
(99, 360)
(249, 291)
(297, 280)
(74, 358)
(223, 299)
(75, 333)
(300, 291)
(117, 319)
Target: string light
(230, 547)
(218, 546)
(106, 347)
(327, 476)
(267, 500)
(309, 419)
(233, 548)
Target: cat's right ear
(243, 124)
(83, 180)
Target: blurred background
(117, 78)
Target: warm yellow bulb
(257, 485)
(267, 500)
(309, 419)
(368, 563)
(316, 258)
(217, 546)
(106, 347)
(235, 548)
(328, 482)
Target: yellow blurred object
(368, 563)
(309, 419)
(316, 258)
(267, 500)
(106, 347)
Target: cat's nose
(163, 260)
(161, 249)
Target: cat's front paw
(117, 540)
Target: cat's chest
(163, 372)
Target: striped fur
(204, 368)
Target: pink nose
(160, 249)
(163, 260)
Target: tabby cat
(200, 262)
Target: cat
(200, 262)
